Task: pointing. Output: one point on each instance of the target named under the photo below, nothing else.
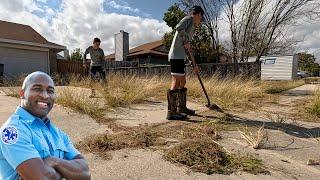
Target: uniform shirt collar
(25, 115)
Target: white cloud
(125, 7)
(78, 22)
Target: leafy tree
(76, 55)
(307, 62)
(173, 16)
(168, 38)
(201, 46)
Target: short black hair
(197, 10)
(96, 40)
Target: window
(270, 61)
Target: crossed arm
(53, 168)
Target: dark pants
(93, 72)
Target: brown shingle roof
(20, 32)
(147, 48)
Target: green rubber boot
(182, 103)
(172, 114)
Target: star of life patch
(9, 135)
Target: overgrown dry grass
(314, 107)
(273, 87)
(228, 92)
(11, 91)
(312, 80)
(122, 91)
(78, 100)
(127, 90)
(307, 109)
(12, 86)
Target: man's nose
(44, 94)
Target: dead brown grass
(79, 101)
(228, 92)
(256, 139)
(11, 91)
(199, 155)
(305, 110)
(12, 86)
(274, 87)
(120, 91)
(314, 107)
(208, 157)
(312, 80)
(127, 90)
(189, 144)
(141, 137)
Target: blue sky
(143, 8)
(74, 23)
(154, 9)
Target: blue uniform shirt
(24, 137)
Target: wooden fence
(118, 64)
(250, 69)
(67, 67)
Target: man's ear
(21, 93)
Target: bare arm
(33, 169)
(76, 168)
(86, 52)
(191, 57)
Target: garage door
(20, 61)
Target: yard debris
(256, 141)
(312, 162)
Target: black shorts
(177, 67)
(95, 69)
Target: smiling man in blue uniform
(31, 146)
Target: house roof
(24, 34)
(148, 48)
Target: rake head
(215, 107)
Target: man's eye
(37, 89)
(51, 91)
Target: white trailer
(278, 67)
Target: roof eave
(56, 47)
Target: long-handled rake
(209, 105)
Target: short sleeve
(72, 152)
(182, 27)
(16, 145)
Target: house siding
(23, 61)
